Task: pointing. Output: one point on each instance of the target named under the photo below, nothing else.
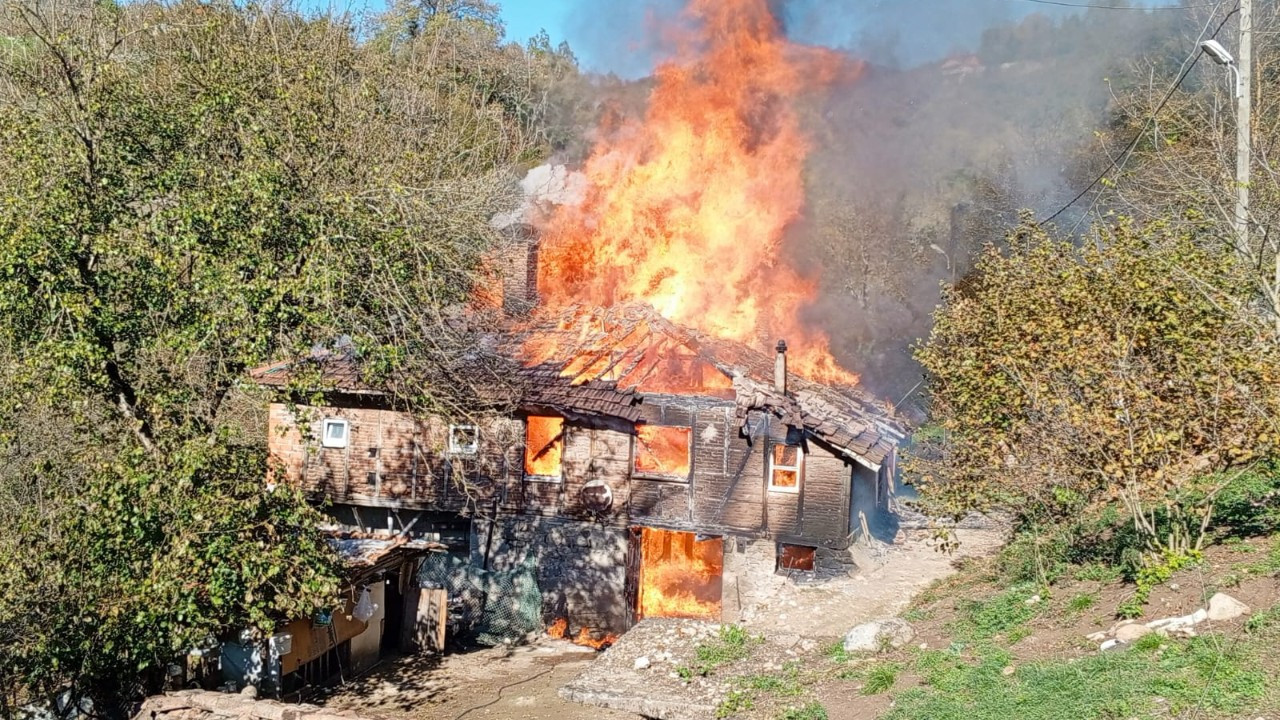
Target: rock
(1007, 670)
(1171, 624)
(642, 662)
(1097, 636)
(1224, 607)
(1032, 600)
(879, 635)
(1130, 633)
(1111, 644)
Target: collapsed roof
(604, 361)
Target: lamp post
(1244, 107)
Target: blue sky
(612, 35)
(524, 18)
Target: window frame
(771, 466)
(635, 453)
(469, 450)
(524, 460)
(326, 442)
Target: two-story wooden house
(649, 470)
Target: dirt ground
(518, 682)
(524, 681)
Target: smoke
(968, 111)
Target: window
(786, 464)
(796, 557)
(662, 452)
(464, 439)
(543, 445)
(334, 433)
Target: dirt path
(831, 608)
(490, 683)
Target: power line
(1194, 59)
(1116, 7)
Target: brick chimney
(518, 266)
(780, 368)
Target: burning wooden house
(650, 471)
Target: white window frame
(798, 468)
(335, 443)
(456, 448)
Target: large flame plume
(686, 207)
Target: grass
(1079, 603)
(1196, 674)
(1263, 620)
(1269, 565)
(732, 644)
(808, 711)
(881, 678)
(736, 702)
(984, 619)
(786, 684)
(1097, 572)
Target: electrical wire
(1188, 64)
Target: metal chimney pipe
(780, 368)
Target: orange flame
(585, 637)
(680, 577)
(686, 208)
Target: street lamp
(1243, 73)
(1222, 56)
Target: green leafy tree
(188, 190)
(1124, 371)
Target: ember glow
(680, 576)
(686, 207)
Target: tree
(188, 190)
(1125, 371)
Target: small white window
(464, 439)
(334, 433)
(786, 467)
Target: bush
(1247, 504)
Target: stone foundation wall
(581, 565)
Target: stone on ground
(1130, 633)
(1224, 607)
(879, 635)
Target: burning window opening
(680, 576)
(796, 557)
(464, 439)
(662, 451)
(543, 446)
(786, 466)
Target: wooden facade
(393, 460)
